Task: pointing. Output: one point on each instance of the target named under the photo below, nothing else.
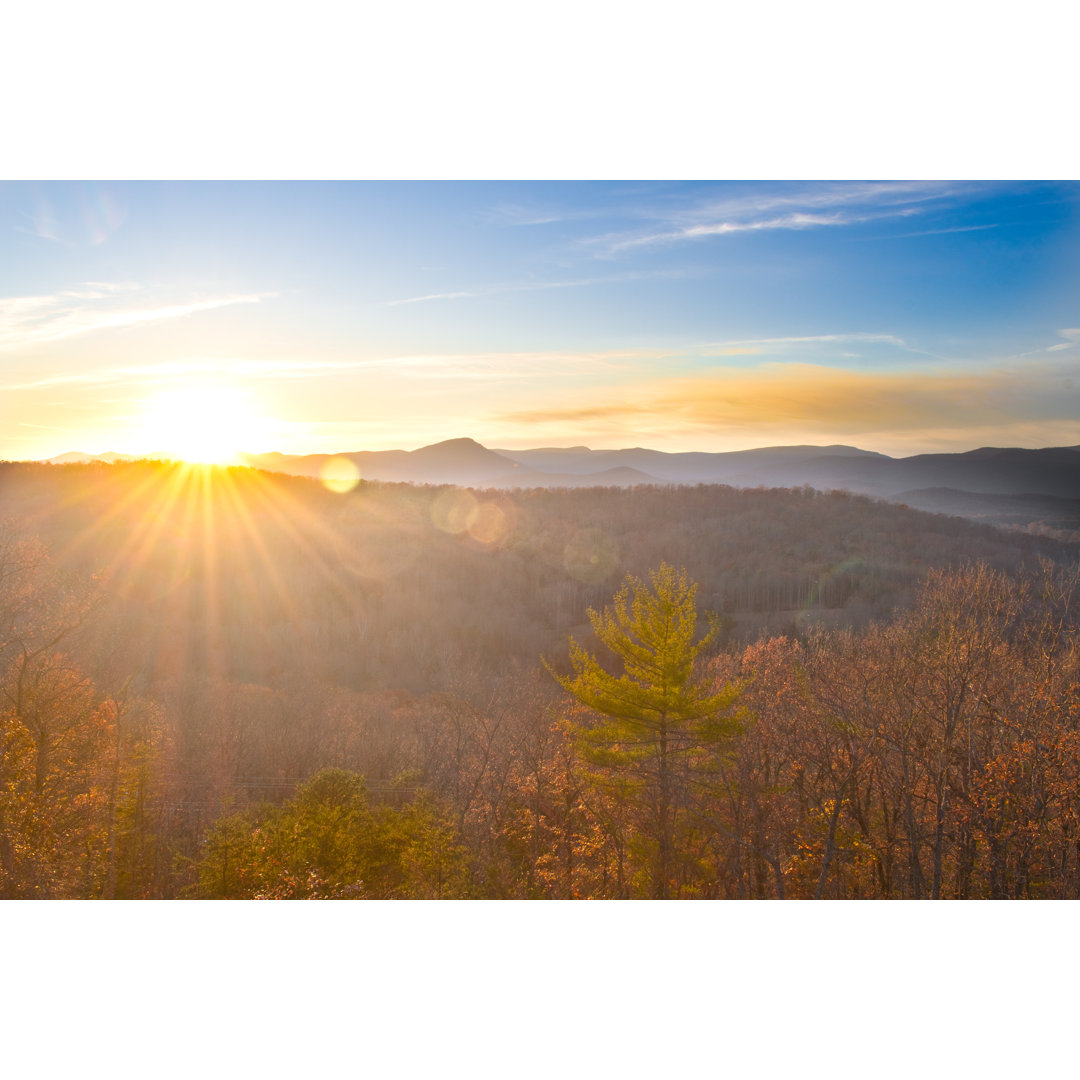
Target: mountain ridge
(984, 482)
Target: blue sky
(901, 316)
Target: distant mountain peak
(549, 450)
(455, 444)
(77, 457)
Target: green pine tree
(658, 722)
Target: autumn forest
(229, 683)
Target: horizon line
(121, 456)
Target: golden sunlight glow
(204, 424)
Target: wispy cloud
(610, 367)
(461, 294)
(26, 321)
(89, 214)
(937, 232)
(723, 228)
(783, 207)
(1072, 336)
(890, 339)
(41, 226)
(514, 214)
(794, 343)
(191, 370)
(546, 212)
(898, 194)
(539, 286)
(487, 367)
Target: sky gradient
(317, 317)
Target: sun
(205, 424)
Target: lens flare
(454, 510)
(458, 511)
(340, 475)
(490, 524)
(591, 556)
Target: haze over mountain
(1007, 485)
(676, 468)
(989, 470)
(77, 457)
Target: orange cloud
(775, 401)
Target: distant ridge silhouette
(985, 482)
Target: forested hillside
(226, 682)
